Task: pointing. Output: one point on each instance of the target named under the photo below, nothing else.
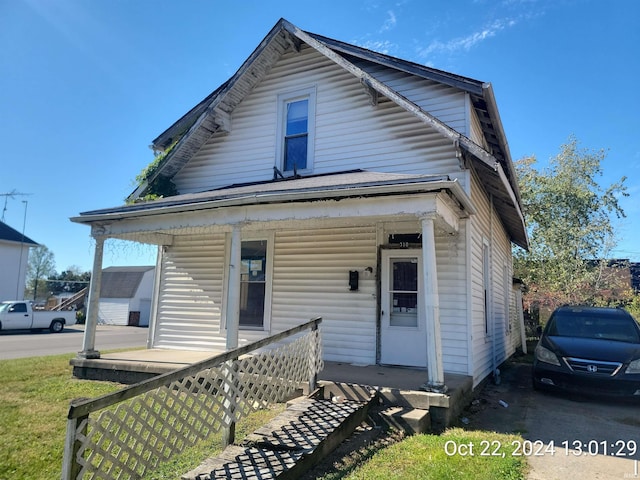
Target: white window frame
(306, 93)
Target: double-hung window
(296, 113)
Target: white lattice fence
(125, 434)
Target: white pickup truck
(18, 314)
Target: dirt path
(603, 428)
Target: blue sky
(86, 85)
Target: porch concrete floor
(155, 361)
(402, 378)
(396, 385)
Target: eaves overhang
(222, 199)
(504, 199)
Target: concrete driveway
(606, 431)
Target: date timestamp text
(529, 448)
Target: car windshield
(606, 326)
(4, 306)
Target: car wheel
(56, 326)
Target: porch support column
(435, 379)
(232, 319)
(91, 322)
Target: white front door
(403, 337)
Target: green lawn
(34, 400)
(453, 455)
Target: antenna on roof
(12, 194)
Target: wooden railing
(71, 302)
(124, 434)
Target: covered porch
(288, 216)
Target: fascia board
(283, 197)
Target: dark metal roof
(9, 234)
(458, 81)
(121, 282)
(261, 191)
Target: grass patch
(191, 457)
(425, 457)
(34, 401)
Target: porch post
(91, 322)
(232, 318)
(435, 379)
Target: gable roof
(9, 234)
(121, 282)
(193, 130)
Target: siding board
(350, 133)
(498, 341)
(311, 271)
(191, 286)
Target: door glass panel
(252, 283)
(404, 292)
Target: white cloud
(382, 46)
(389, 23)
(466, 43)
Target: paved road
(598, 425)
(20, 344)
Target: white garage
(125, 296)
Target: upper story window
(296, 128)
(296, 136)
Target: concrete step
(409, 420)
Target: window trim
(306, 93)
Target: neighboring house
(125, 296)
(324, 179)
(14, 258)
(634, 269)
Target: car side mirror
(539, 330)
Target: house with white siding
(325, 179)
(14, 259)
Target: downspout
(494, 368)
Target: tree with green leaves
(71, 280)
(41, 266)
(570, 221)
